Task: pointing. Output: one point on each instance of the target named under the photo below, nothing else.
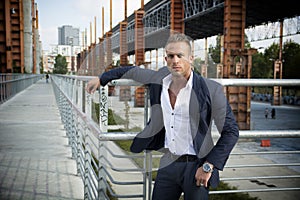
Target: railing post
(86, 164)
(148, 155)
(87, 147)
(69, 124)
(103, 123)
(148, 175)
(80, 129)
(103, 108)
(88, 105)
(74, 118)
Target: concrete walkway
(35, 159)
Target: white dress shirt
(176, 121)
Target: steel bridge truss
(158, 18)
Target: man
(47, 77)
(184, 106)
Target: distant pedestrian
(47, 78)
(266, 113)
(273, 114)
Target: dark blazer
(208, 105)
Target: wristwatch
(207, 168)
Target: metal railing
(109, 173)
(11, 84)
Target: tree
(41, 65)
(197, 65)
(261, 67)
(291, 60)
(61, 65)
(215, 52)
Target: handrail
(92, 148)
(11, 84)
(228, 82)
(107, 136)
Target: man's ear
(191, 59)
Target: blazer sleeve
(227, 126)
(144, 76)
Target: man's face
(179, 59)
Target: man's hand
(202, 177)
(92, 85)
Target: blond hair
(179, 37)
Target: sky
(81, 13)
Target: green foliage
(114, 119)
(215, 52)
(41, 65)
(291, 60)
(261, 67)
(61, 65)
(95, 112)
(197, 64)
(263, 63)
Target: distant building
(67, 51)
(68, 46)
(68, 35)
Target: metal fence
(110, 173)
(11, 84)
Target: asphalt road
(287, 118)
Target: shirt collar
(168, 79)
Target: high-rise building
(68, 35)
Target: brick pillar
(277, 90)
(101, 63)
(93, 64)
(139, 38)
(85, 61)
(78, 62)
(237, 60)
(82, 65)
(89, 63)
(125, 94)
(8, 39)
(139, 54)
(108, 64)
(177, 16)
(123, 44)
(109, 60)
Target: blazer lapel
(200, 112)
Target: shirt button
(171, 126)
(172, 113)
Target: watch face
(206, 167)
